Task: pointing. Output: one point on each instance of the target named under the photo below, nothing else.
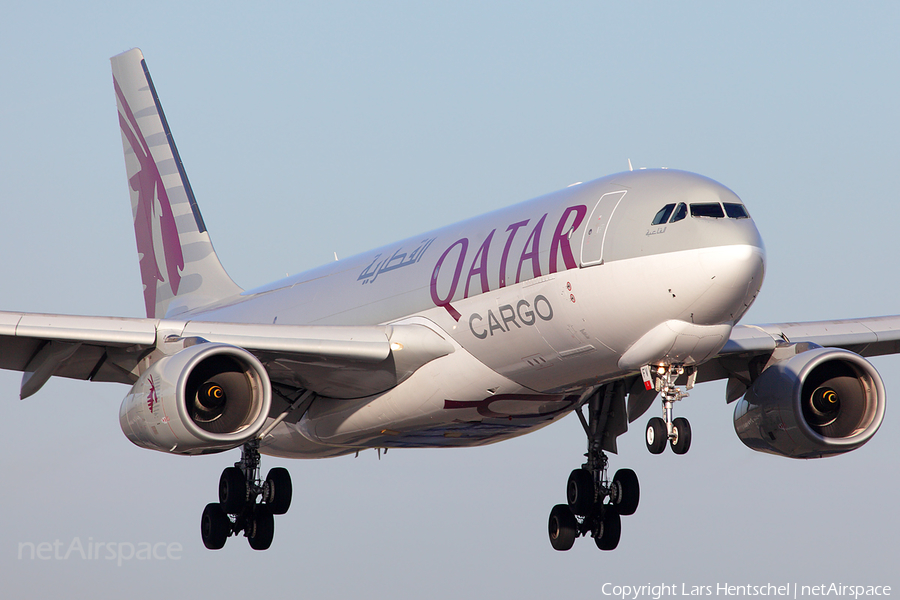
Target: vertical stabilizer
(179, 267)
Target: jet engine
(816, 403)
(205, 398)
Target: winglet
(179, 267)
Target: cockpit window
(680, 213)
(663, 215)
(735, 210)
(707, 209)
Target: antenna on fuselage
(630, 168)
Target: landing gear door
(592, 243)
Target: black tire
(278, 490)
(682, 442)
(656, 435)
(562, 528)
(580, 492)
(611, 530)
(214, 526)
(261, 528)
(233, 490)
(626, 492)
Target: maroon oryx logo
(152, 398)
(148, 183)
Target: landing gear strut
(677, 431)
(595, 504)
(238, 510)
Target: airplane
(601, 299)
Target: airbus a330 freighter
(467, 335)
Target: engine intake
(205, 398)
(816, 403)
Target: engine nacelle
(816, 403)
(205, 398)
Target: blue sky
(311, 129)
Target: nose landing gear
(595, 504)
(238, 510)
(677, 431)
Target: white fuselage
(541, 301)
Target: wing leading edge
(874, 336)
(333, 361)
(749, 347)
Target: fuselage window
(680, 213)
(708, 209)
(663, 215)
(736, 211)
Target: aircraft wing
(873, 336)
(749, 346)
(334, 361)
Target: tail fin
(179, 267)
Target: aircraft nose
(736, 274)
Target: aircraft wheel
(580, 491)
(657, 434)
(626, 492)
(279, 490)
(563, 528)
(682, 442)
(214, 526)
(610, 530)
(261, 528)
(232, 490)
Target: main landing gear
(677, 431)
(595, 504)
(238, 510)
